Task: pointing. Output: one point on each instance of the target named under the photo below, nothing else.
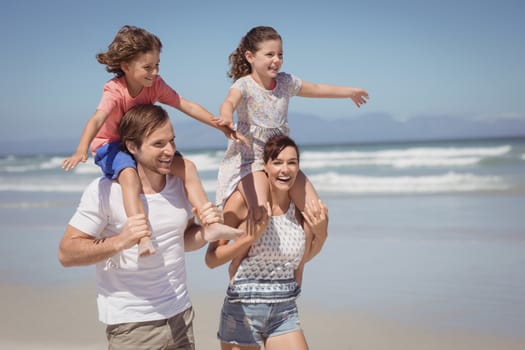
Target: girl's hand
(71, 162)
(316, 216)
(359, 96)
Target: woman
(260, 307)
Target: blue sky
(464, 59)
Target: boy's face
(142, 71)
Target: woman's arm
(316, 228)
(220, 252)
(235, 215)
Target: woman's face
(282, 171)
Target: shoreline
(65, 317)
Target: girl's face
(141, 71)
(282, 171)
(267, 60)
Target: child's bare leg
(256, 192)
(303, 192)
(131, 188)
(187, 171)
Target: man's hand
(136, 227)
(209, 214)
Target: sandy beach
(400, 270)
(64, 317)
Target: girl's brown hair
(239, 66)
(129, 42)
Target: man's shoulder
(173, 182)
(101, 185)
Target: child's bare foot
(146, 247)
(217, 231)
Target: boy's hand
(236, 136)
(224, 121)
(71, 162)
(227, 126)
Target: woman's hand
(316, 216)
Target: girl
(260, 95)
(133, 57)
(264, 287)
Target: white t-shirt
(129, 288)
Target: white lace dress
(261, 114)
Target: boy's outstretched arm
(198, 112)
(91, 129)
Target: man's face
(157, 150)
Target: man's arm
(78, 248)
(194, 233)
(193, 237)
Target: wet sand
(65, 317)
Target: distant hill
(310, 129)
(307, 129)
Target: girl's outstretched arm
(358, 95)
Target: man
(143, 301)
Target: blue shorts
(248, 324)
(112, 160)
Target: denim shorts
(252, 323)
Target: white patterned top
(267, 273)
(261, 114)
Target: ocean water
(432, 232)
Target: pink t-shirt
(116, 101)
